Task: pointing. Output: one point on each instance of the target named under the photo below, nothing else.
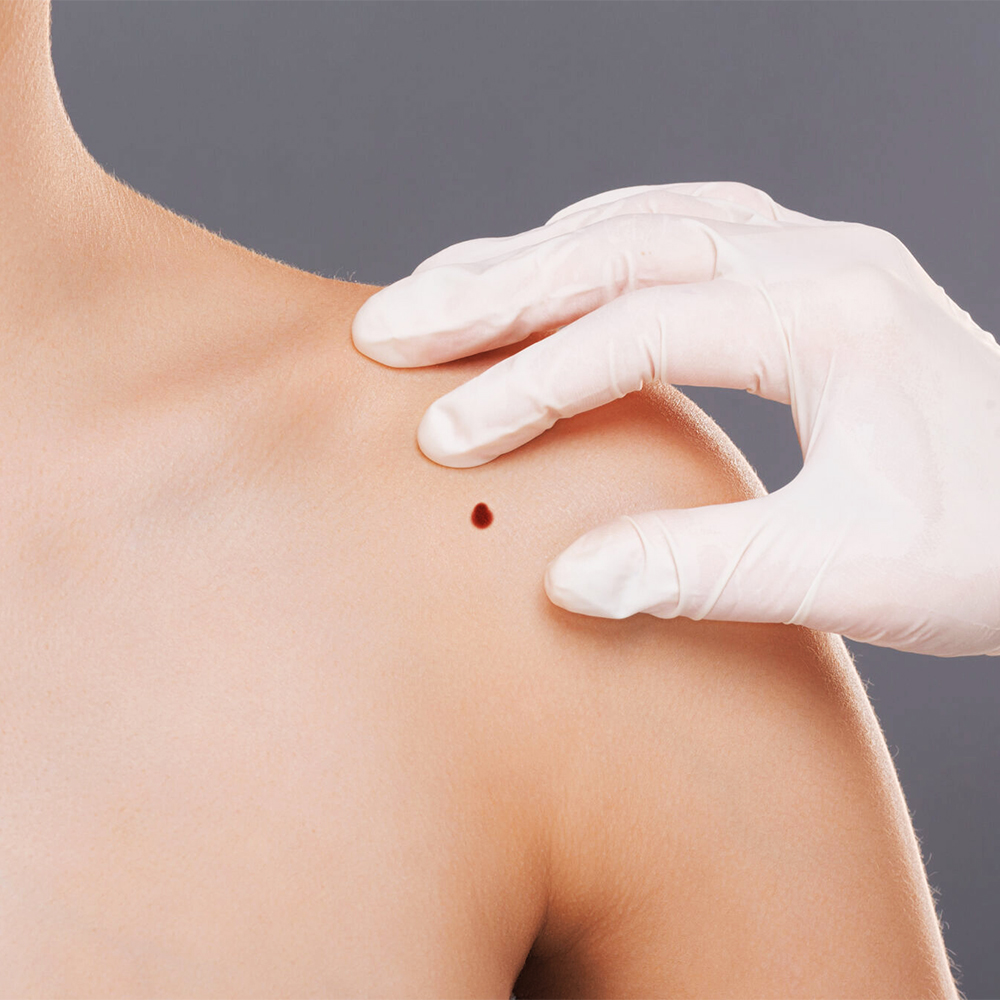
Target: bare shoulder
(704, 808)
(700, 808)
(718, 809)
(644, 806)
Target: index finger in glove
(718, 333)
(456, 310)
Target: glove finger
(769, 559)
(656, 202)
(456, 310)
(720, 333)
(745, 561)
(485, 247)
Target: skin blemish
(482, 516)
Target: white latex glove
(890, 534)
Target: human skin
(276, 719)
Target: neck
(30, 106)
(90, 267)
(52, 192)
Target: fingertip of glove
(440, 439)
(558, 584)
(598, 573)
(372, 331)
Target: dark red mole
(482, 516)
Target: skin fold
(277, 720)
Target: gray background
(355, 140)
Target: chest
(244, 836)
(214, 783)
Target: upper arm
(734, 827)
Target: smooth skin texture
(277, 720)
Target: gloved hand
(890, 534)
